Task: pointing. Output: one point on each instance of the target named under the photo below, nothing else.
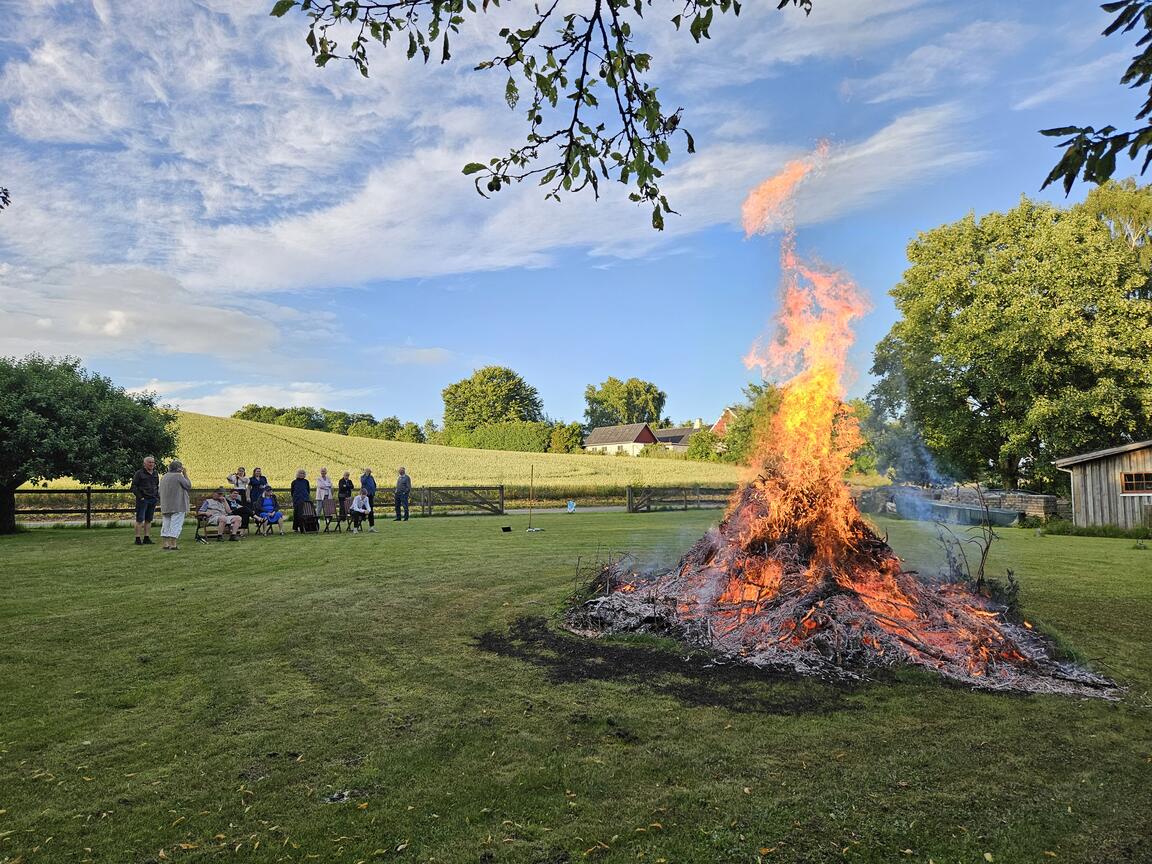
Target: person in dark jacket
(368, 484)
(240, 508)
(301, 493)
(403, 490)
(146, 489)
(344, 490)
(257, 483)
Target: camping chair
(267, 528)
(331, 515)
(205, 530)
(305, 511)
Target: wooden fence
(641, 499)
(88, 504)
(458, 499)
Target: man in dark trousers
(368, 484)
(403, 490)
(146, 489)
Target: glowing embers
(775, 591)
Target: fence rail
(641, 499)
(88, 503)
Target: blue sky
(200, 211)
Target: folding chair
(331, 515)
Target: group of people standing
(343, 497)
(251, 498)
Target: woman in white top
(239, 482)
(324, 501)
(323, 486)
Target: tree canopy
(59, 420)
(494, 394)
(1025, 337)
(616, 402)
(592, 111)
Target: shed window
(1136, 484)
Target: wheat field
(212, 448)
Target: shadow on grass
(694, 679)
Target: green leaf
(657, 219)
(473, 167)
(282, 7)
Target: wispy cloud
(1074, 79)
(962, 59)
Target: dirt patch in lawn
(694, 679)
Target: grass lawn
(204, 705)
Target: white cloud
(227, 400)
(392, 231)
(964, 58)
(764, 39)
(85, 310)
(1074, 79)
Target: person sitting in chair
(361, 509)
(239, 508)
(268, 510)
(220, 514)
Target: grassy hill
(212, 447)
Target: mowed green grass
(203, 705)
(213, 447)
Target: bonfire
(794, 578)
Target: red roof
(721, 425)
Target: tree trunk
(8, 509)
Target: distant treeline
(519, 435)
(338, 422)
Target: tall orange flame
(809, 446)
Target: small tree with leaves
(59, 420)
(577, 72)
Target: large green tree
(1025, 336)
(616, 402)
(59, 420)
(1126, 209)
(494, 394)
(576, 70)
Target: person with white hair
(146, 490)
(174, 502)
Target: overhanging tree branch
(567, 150)
(1091, 153)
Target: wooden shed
(1113, 486)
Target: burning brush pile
(794, 578)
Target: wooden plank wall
(1096, 494)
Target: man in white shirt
(361, 509)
